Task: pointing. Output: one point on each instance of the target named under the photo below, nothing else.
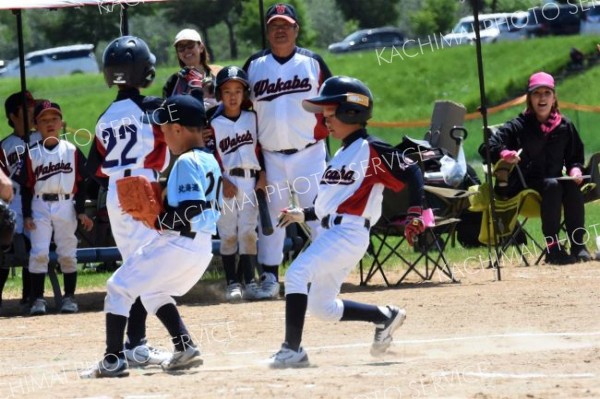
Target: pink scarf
(551, 123)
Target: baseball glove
(140, 199)
(7, 224)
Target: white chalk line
(519, 376)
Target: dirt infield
(535, 334)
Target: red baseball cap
(45, 106)
(540, 79)
(282, 11)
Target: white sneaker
(383, 333)
(233, 292)
(251, 291)
(106, 369)
(289, 358)
(69, 305)
(186, 359)
(269, 287)
(38, 308)
(145, 355)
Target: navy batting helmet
(128, 61)
(231, 73)
(353, 97)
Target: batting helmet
(128, 61)
(232, 73)
(353, 97)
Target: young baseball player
(291, 139)
(236, 148)
(52, 179)
(126, 145)
(171, 262)
(348, 202)
(13, 149)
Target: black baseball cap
(283, 11)
(15, 101)
(45, 106)
(184, 109)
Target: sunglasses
(183, 47)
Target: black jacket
(543, 155)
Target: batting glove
(289, 216)
(414, 224)
(510, 156)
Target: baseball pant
(325, 264)
(168, 265)
(58, 216)
(300, 172)
(239, 217)
(15, 206)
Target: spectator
(195, 71)
(52, 179)
(291, 139)
(13, 149)
(549, 142)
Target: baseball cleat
(69, 305)
(289, 358)
(106, 369)
(269, 287)
(145, 355)
(383, 332)
(233, 292)
(38, 308)
(186, 359)
(251, 291)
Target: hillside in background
(405, 84)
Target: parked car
(464, 31)
(515, 28)
(590, 19)
(554, 19)
(66, 60)
(368, 39)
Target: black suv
(368, 39)
(553, 19)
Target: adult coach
(291, 138)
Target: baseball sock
(37, 285)
(26, 277)
(70, 281)
(247, 265)
(295, 313)
(136, 327)
(274, 270)
(169, 316)
(115, 329)
(229, 267)
(3, 277)
(356, 311)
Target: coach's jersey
(236, 140)
(124, 139)
(354, 179)
(196, 176)
(54, 170)
(277, 88)
(13, 153)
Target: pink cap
(540, 79)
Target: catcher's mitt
(7, 224)
(140, 199)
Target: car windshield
(468, 27)
(356, 36)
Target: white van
(66, 60)
(590, 19)
(464, 31)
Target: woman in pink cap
(548, 142)
(195, 73)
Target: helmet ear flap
(149, 74)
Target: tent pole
(17, 14)
(495, 263)
(261, 13)
(124, 20)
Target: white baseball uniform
(51, 181)
(291, 138)
(349, 201)
(174, 259)
(236, 148)
(125, 145)
(13, 153)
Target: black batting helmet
(128, 61)
(231, 73)
(353, 97)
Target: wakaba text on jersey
(341, 176)
(44, 172)
(280, 87)
(229, 144)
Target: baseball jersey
(193, 193)
(236, 140)
(57, 169)
(13, 153)
(355, 177)
(124, 138)
(277, 88)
